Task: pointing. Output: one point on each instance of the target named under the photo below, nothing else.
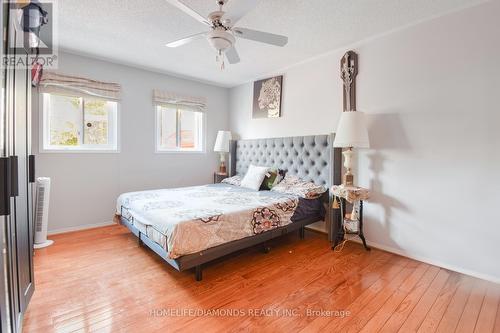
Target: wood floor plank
(454, 311)
(315, 293)
(260, 297)
(332, 291)
(468, 320)
(100, 280)
(402, 312)
(436, 312)
(352, 305)
(397, 273)
(363, 315)
(385, 311)
(328, 295)
(496, 328)
(419, 312)
(487, 316)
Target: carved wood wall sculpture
(348, 72)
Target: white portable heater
(42, 212)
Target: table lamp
(351, 133)
(222, 147)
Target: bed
(191, 226)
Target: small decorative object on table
(352, 224)
(218, 177)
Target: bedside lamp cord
(336, 205)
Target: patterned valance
(176, 100)
(52, 82)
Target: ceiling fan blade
(188, 10)
(232, 55)
(260, 36)
(186, 40)
(236, 9)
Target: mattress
(191, 219)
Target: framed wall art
(267, 97)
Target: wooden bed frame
(250, 152)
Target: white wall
(85, 186)
(432, 95)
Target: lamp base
(349, 179)
(222, 167)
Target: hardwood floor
(101, 280)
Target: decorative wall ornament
(348, 72)
(267, 97)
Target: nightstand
(351, 224)
(218, 177)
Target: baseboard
(318, 226)
(79, 227)
(318, 229)
(433, 262)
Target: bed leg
(198, 273)
(139, 240)
(302, 232)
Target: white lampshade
(222, 141)
(351, 132)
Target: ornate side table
(351, 224)
(218, 177)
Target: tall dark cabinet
(16, 188)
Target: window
(178, 129)
(72, 123)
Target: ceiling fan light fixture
(222, 36)
(221, 40)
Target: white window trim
(43, 119)
(178, 151)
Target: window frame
(157, 138)
(82, 149)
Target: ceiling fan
(223, 32)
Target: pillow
(272, 178)
(254, 177)
(235, 180)
(294, 185)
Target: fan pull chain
(219, 57)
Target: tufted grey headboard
(312, 157)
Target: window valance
(175, 100)
(52, 82)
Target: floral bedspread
(196, 218)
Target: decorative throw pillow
(235, 180)
(294, 185)
(254, 177)
(271, 179)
